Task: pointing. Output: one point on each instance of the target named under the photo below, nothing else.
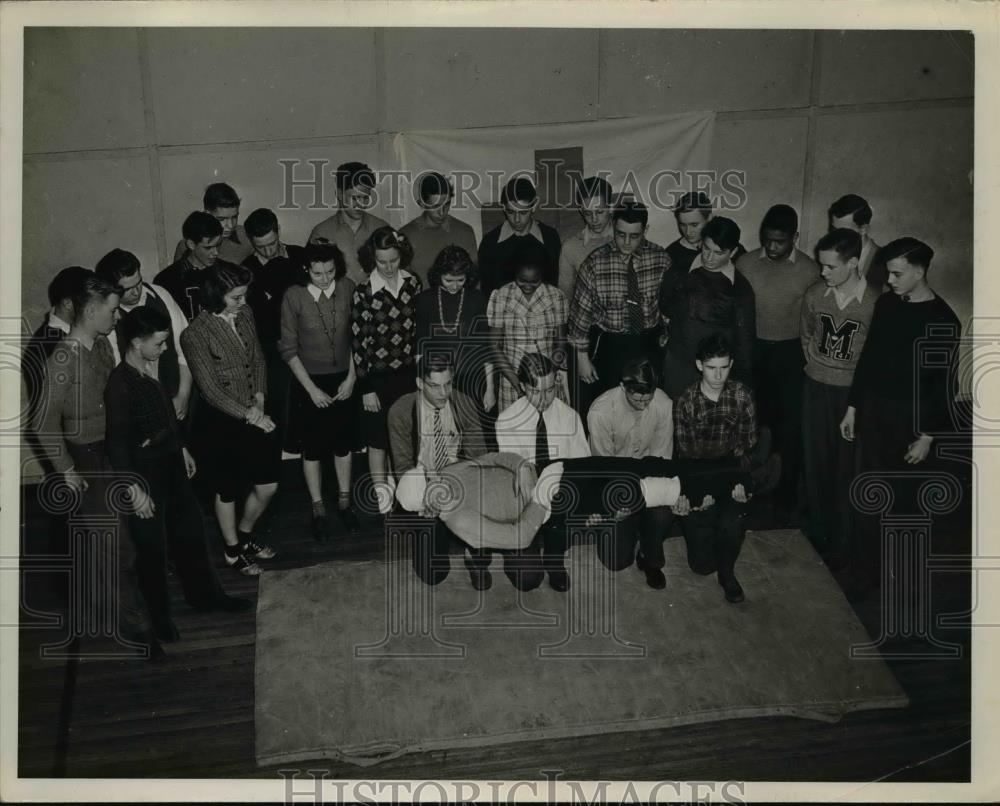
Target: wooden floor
(191, 715)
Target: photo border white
(982, 18)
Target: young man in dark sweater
(496, 266)
(780, 274)
(836, 313)
(899, 400)
(276, 267)
(183, 278)
(692, 212)
(713, 297)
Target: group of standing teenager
(424, 349)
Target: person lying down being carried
(497, 501)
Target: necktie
(541, 442)
(633, 299)
(440, 447)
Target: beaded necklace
(458, 316)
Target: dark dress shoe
(320, 528)
(149, 641)
(224, 603)
(655, 578)
(559, 581)
(156, 652)
(481, 580)
(349, 519)
(166, 631)
(733, 590)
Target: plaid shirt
(527, 325)
(140, 419)
(602, 286)
(708, 429)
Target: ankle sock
(318, 508)
(243, 537)
(232, 551)
(344, 501)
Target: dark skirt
(235, 455)
(323, 431)
(389, 386)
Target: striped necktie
(440, 446)
(633, 299)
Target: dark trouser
(778, 391)
(616, 549)
(610, 351)
(884, 431)
(714, 537)
(604, 485)
(177, 525)
(431, 541)
(279, 379)
(829, 464)
(110, 547)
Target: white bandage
(411, 488)
(660, 491)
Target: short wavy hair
(452, 260)
(323, 252)
(385, 238)
(221, 278)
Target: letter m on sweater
(836, 342)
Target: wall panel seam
(152, 147)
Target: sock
(344, 500)
(243, 537)
(318, 508)
(232, 551)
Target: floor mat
(361, 662)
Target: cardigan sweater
(72, 409)
(308, 324)
(229, 370)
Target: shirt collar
(315, 291)
(229, 317)
(856, 292)
(604, 235)
(507, 232)
(57, 323)
(282, 252)
(378, 283)
(789, 259)
(729, 269)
